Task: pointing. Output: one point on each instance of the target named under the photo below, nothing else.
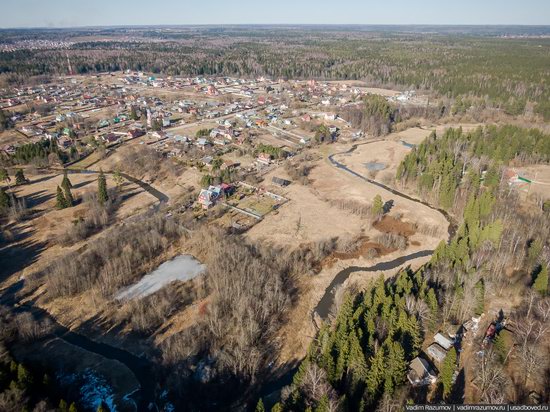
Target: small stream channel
(324, 306)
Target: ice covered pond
(375, 166)
(183, 267)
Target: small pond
(375, 166)
(409, 145)
(182, 268)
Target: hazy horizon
(103, 13)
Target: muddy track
(325, 304)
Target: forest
(487, 70)
(500, 250)
(456, 163)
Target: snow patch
(182, 268)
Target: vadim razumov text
(475, 408)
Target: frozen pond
(375, 166)
(183, 267)
(409, 145)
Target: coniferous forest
(360, 361)
(485, 67)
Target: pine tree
(103, 407)
(377, 206)
(206, 180)
(102, 195)
(68, 196)
(480, 297)
(20, 178)
(24, 378)
(61, 201)
(117, 177)
(63, 407)
(4, 200)
(277, 408)
(501, 345)
(133, 113)
(447, 371)
(260, 406)
(541, 281)
(533, 253)
(66, 183)
(4, 176)
(73, 407)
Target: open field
(46, 224)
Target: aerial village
(246, 149)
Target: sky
(73, 13)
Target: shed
(443, 341)
(436, 352)
(280, 182)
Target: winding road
(325, 304)
(161, 197)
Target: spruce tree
(4, 200)
(447, 371)
(377, 205)
(277, 408)
(20, 178)
(102, 195)
(501, 345)
(68, 196)
(117, 177)
(4, 176)
(133, 113)
(480, 297)
(73, 407)
(260, 406)
(61, 201)
(206, 180)
(375, 375)
(66, 183)
(533, 253)
(541, 281)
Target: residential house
(209, 197)
(264, 158)
(420, 373)
(134, 133)
(110, 138)
(212, 91)
(64, 142)
(229, 165)
(333, 129)
(306, 118)
(202, 143)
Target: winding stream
(324, 306)
(140, 367)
